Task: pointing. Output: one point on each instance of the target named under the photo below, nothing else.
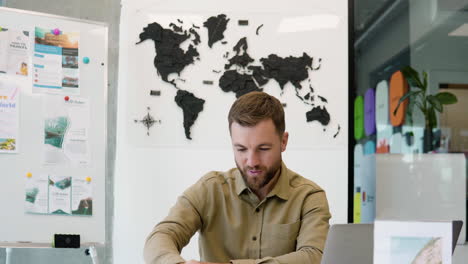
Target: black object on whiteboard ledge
(66, 241)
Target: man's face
(257, 152)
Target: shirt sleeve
(311, 238)
(165, 242)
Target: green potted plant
(426, 102)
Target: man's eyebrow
(259, 146)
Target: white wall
(150, 177)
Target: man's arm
(165, 242)
(311, 238)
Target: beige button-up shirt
(289, 226)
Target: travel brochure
(58, 195)
(14, 51)
(412, 242)
(55, 61)
(66, 128)
(9, 116)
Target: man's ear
(284, 141)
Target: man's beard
(256, 183)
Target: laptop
(456, 229)
(354, 243)
(349, 244)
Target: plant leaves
(412, 77)
(409, 113)
(424, 80)
(409, 95)
(418, 104)
(446, 98)
(434, 101)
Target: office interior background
(422, 179)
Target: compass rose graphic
(148, 121)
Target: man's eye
(264, 149)
(241, 150)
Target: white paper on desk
(412, 242)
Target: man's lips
(255, 172)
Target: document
(59, 194)
(37, 194)
(53, 194)
(9, 116)
(55, 62)
(14, 52)
(412, 242)
(82, 199)
(66, 128)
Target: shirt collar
(281, 188)
(240, 183)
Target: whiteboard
(18, 225)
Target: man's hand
(198, 262)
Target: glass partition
(410, 111)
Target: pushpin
(29, 175)
(56, 31)
(85, 60)
(67, 98)
(88, 179)
(1, 29)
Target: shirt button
(254, 238)
(257, 210)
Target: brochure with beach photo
(55, 62)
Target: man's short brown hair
(251, 108)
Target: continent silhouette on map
(216, 26)
(170, 57)
(319, 114)
(240, 84)
(241, 58)
(290, 69)
(191, 106)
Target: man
(258, 213)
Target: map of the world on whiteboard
(191, 58)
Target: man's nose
(253, 159)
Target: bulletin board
(53, 87)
